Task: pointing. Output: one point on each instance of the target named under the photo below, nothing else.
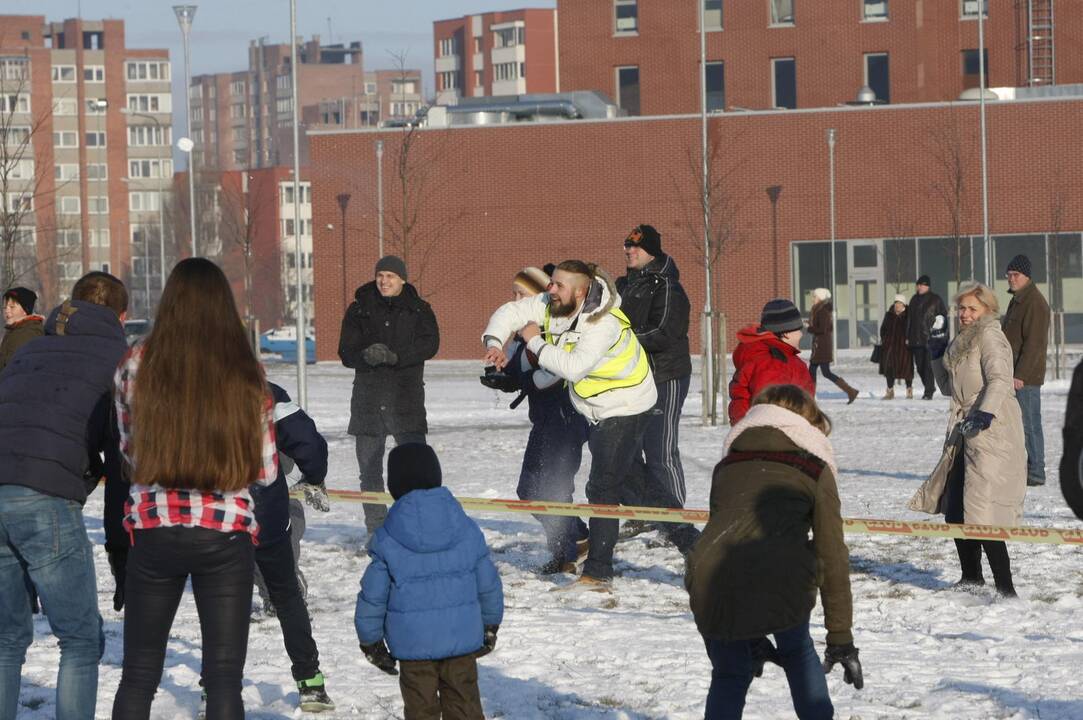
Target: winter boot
(890, 394)
(555, 566)
(314, 695)
(851, 393)
(909, 393)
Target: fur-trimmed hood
(795, 427)
(602, 296)
(966, 338)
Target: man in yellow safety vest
(577, 332)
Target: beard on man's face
(560, 309)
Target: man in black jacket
(927, 317)
(658, 308)
(387, 335)
(55, 396)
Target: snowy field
(928, 651)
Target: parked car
(283, 342)
(135, 329)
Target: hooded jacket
(656, 304)
(18, 334)
(388, 399)
(760, 360)
(430, 587)
(56, 399)
(594, 330)
(754, 570)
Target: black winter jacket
(55, 402)
(1071, 480)
(922, 311)
(657, 306)
(298, 439)
(388, 400)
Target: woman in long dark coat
(896, 362)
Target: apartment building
(764, 54)
(387, 95)
(496, 53)
(85, 130)
(243, 119)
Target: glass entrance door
(866, 293)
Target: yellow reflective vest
(624, 365)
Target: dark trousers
(370, 462)
(159, 563)
(731, 676)
(923, 365)
(278, 567)
(554, 452)
(657, 478)
(824, 368)
(614, 443)
(435, 689)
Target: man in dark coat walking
(927, 317)
(55, 417)
(387, 335)
(1026, 325)
(657, 306)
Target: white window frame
(17, 136)
(65, 106)
(237, 87)
(633, 29)
(15, 199)
(150, 102)
(968, 9)
(151, 135)
(710, 24)
(98, 237)
(63, 135)
(14, 103)
(60, 71)
(97, 204)
(70, 205)
(883, 16)
(99, 136)
(143, 200)
(21, 169)
(97, 171)
(779, 18)
(66, 172)
(14, 68)
(69, 237)
(142, 70)
(94, 73)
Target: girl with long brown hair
(197, 429)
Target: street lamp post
(343, 201)
(100, 106)
(185, 15)
(709, 414)
(161, 199)
(772, 194)
(380, 198)
(302, 380)
(984, 148)
(831, 194)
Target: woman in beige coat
(981, 479)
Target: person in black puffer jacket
(387, 335)
(927, 315)
(657, 306)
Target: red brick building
(763, 54)
(575, 189)
(497, 53)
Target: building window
(16, 136)
(160, 102)
(972, 70)
(19, 203)
(19, 103)
(716, 86)
(509, 37)
(63, 73)
(99, 237)
(370, 88)
(781, 12)
(146, 135)
(150, 168)
(970, 8)
(477, 44)
(65, 106)
(712, 14)
(14, 68)
(141, 71)
(875, 9)
(877, 75)
(66, 139)
(66, 171)
(94, 73)
(449, 79)
(97, 171)
(95, 139)
(236, 87)
(478, 79)
(237, 111)
(97, 205)
(448, 46)
(21, 169)
(69, 205)
(784, 83)
(507, 71)
(240, 157)
(403, 87)
(142, 201)
(626, 16)
(628, 89)
(69, 238)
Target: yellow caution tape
(859, 526)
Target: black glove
(498, 380)
(380, 656)
(118, 564)
(379, 354)
(845, 655)
(975, 422)
(489, 642)
(762, 651)
(938, 344)
(315, 495)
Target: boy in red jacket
(768, 355)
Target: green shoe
(313, 695)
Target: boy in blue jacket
(431, 591)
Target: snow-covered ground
(928, 651)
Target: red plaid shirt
(151, 506)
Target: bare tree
(27, 186)
(948, 149)
(1057, 208)
(239, 211)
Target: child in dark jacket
(431, 591)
